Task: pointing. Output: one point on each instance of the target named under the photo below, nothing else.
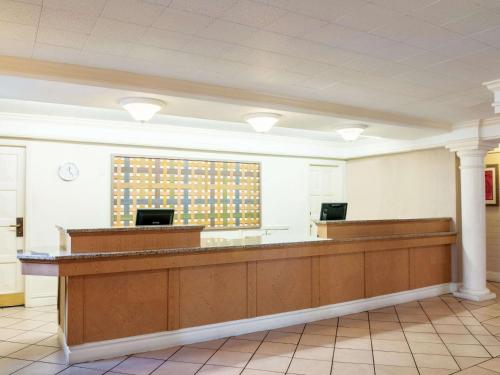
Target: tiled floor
(435, 336)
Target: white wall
(409, 185)
(493, 229)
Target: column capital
(494, 87)
(471, 145)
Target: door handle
(15, 226)
(18, 227)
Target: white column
(472, 154)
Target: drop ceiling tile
(487, 58)
(13, 47)
(55, 37)
(228, 32)
(110, 46)
(400, 28)
(404, 6)
(67, 20)
(477, 22)
(16, 31)
(50, 52)
(294, 24)
(36, 2)
(207, 47)
(328, 10)
(181, 21)
(396, 51)
(445, 11)
(244, 12)
(134, 11)
(333, 35)
(460, 47)
(213, 8)
(162, 56)
(256, 57)
(424, 59)
(93, 7)
(17, 12)
(164, 39)
(367, 43)
(111, 29)
(368, 17)
(431, 37)
(491, 37)
(458, 69)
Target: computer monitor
(333, 211)
(154, 216)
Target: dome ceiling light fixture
(352, 132)
(142, 109)
(262, 122)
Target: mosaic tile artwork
(217, 194)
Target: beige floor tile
(435, 361)
(7, 348)
(469, 321)
(361, 316)
(177, 368)
(229, 359)
(478, 330)
(27, 325)
(298, 328)
(413, 318)
(254, 336)
(353, 332)
(388, 335)
(332, 322)
(30, 337)
(219, 370)
(385, 310)
(73, 370)
(419, 327)
(382, 317)
(314, 329)
(390, 346)
(458, 339)
(428, 348)
(494, 350)
(309, 367)
(162, 354)
(192, 355)
(445, 320)
(393, 359)
(385, 326)
(245, 346)
(492, 364)
(423, 337)
(476, 371)
(103, 364)
(269, 363)
(138, 366)
(8, 333)
(314, 352)
(487, 339)
(353, 343)
(276, 349)
(353, 356)
(353, 323)
(283, 337)
(249, 371)
(212, 344)
(466, 362)
(56, 357)
(395, 370)
(33, 352)
(9, 365)
(468, 350)
(340, 368)
(317, 340)
(39, 368)
(451, 328)
(50, 341)
(5, 322)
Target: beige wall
(493, 230)
(408, 185)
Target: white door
(323, 188)
(11, 207)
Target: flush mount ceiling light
(142, 109)
(351, 133)
(262, 122)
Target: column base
(474, 295)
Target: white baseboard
(155, 341)
(40, 301)
(493, 276)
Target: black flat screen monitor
(154, 216)
(333, 211)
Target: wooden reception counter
(125, 301)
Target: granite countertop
(132, 228)
(377, 221)
(213, 245)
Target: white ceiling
(424, 58)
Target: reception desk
(121, 301)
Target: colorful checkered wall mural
(217, 194)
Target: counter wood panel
(387, 272)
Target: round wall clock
(68, 172)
